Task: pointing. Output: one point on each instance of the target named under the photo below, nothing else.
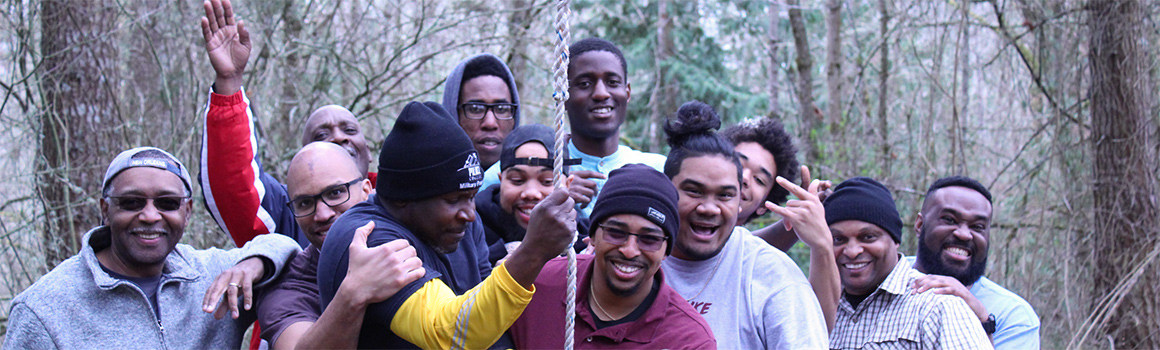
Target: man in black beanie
(428, 176)
(622, 299)
(878, 305)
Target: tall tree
(811, 119)
(834, 63)
(1125, 184)
(79, 81)
(884, 157)
(773, 33)
(664, 93)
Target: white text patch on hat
(656, 215)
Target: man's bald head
(336, 124)
(323, 182)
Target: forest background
(1051, 103)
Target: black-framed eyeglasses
(332, 196)
(617, 236)
(136, 203)
(477, 110)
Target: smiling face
(521, 186)
(439, 221)
(760, 169)
(337, 125)
(323, 168)
(598, 94)
(141, 239)
(708, 205)
(486, 134)
(623, 269)
(865, 254)
(954, 230)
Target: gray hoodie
(78, 305)
(455, 81)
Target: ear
(918, 225)
(104, 210)
(366, 187)
(761, 210)
(628, 91)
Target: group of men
(454, 241)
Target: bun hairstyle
(691, 133)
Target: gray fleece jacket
(78, 305)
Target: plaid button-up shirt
(894, 317)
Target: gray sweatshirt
(78, 305)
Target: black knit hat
(639, 189)
(425, 155)
(866, 200)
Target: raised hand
(228, 44)
(804, 216)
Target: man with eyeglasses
(481, 91)
(131, 269)
(622, 299)
(323, 182)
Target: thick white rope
(560, 84)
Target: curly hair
(771, 135)
(596, 44)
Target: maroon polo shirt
(669, 323)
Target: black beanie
(523, 134)
(425, 155)
(639, 189)
(866, 200)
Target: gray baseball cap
(152, 157)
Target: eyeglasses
(647, 242)
(332, 196)
(135, 203)
(477, 110)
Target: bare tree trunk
(774, 34)
(663, 97)
(79, 85)
(834, 86)
(1123, 140)
(811, 118)
(519, 21)
(884, 157)
(963, 98)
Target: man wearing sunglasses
(481, 91)
(323, 182)
(131, 269)
(622, 299)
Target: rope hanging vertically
(560, 84)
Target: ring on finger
(235, 285)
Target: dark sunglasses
(135, 203)
(646, 242)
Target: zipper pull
(160, 326)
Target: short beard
(931, 260)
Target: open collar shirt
(894, 317)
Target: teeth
(856, 266)
(490, 143)
(626, 269)
(150, 235)
(525, 211)
(602, 110)
(958, 251)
